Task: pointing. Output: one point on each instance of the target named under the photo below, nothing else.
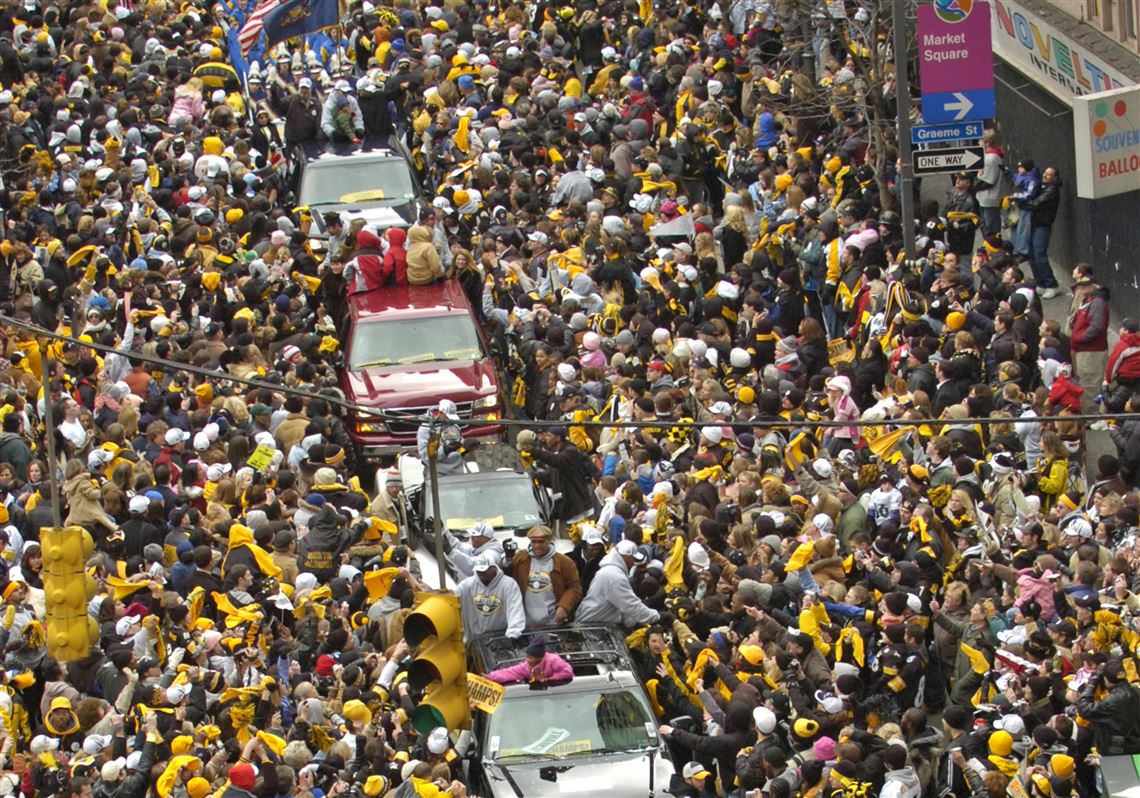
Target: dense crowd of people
(836, 496)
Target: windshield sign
(556, 724)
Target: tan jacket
(291, 431)
(85, 501)
(424, 265)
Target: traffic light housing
(68, 588)
(434, 630)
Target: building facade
(1048, 53)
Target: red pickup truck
(406, 348)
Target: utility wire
(394, 415)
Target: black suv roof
(588, 649)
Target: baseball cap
(95, 744)
(176, 436)
(593, 537)
(217, 471)
(831, 704)
(483, 564)
(124, 624)
(720, 409)
(765, 720)
(695, 770)
(627, 548)
(113, 769)
(1012, 724)
(480, 529)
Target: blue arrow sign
(936, 134)
(959, 106)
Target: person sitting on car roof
(538, 667)
(548, 579)
(464, 553)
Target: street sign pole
(906, 155)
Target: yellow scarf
(165, 784)
(241, 535)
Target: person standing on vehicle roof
(567, 471)
(465, 553)
(490, 601)
(449, 457)
(548, 580)
(611, 598)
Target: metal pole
(49, 442)
(437, 522)
(906, 156)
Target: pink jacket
(552, 669)
(187, 104)
(1032, 587)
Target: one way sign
(937, 162)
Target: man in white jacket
(902, 780)
(490, 601)
(611, 598)
(480, 542)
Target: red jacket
(1065, 393)
(1090, 324)
(1124, 360)
(395, 268)
(368, 259)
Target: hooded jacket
(1124, 361)
(366, 262)
(496, 607)
(611, 598)
(564, 580)
(901, 783)
(395, 268)
(319, 551)
(424, 265)
(462, 554)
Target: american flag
(251, 31)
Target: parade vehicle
(407, 347)
(592, 735)
(373, 181)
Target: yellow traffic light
(435, 631)
(67, 589)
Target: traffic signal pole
(437, 523)
(902, 105)
(49, 442)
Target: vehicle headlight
(487, 402)
(370, 426)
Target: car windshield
(560, 723)
(509, 504)
(354, 181)
(420, 340)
